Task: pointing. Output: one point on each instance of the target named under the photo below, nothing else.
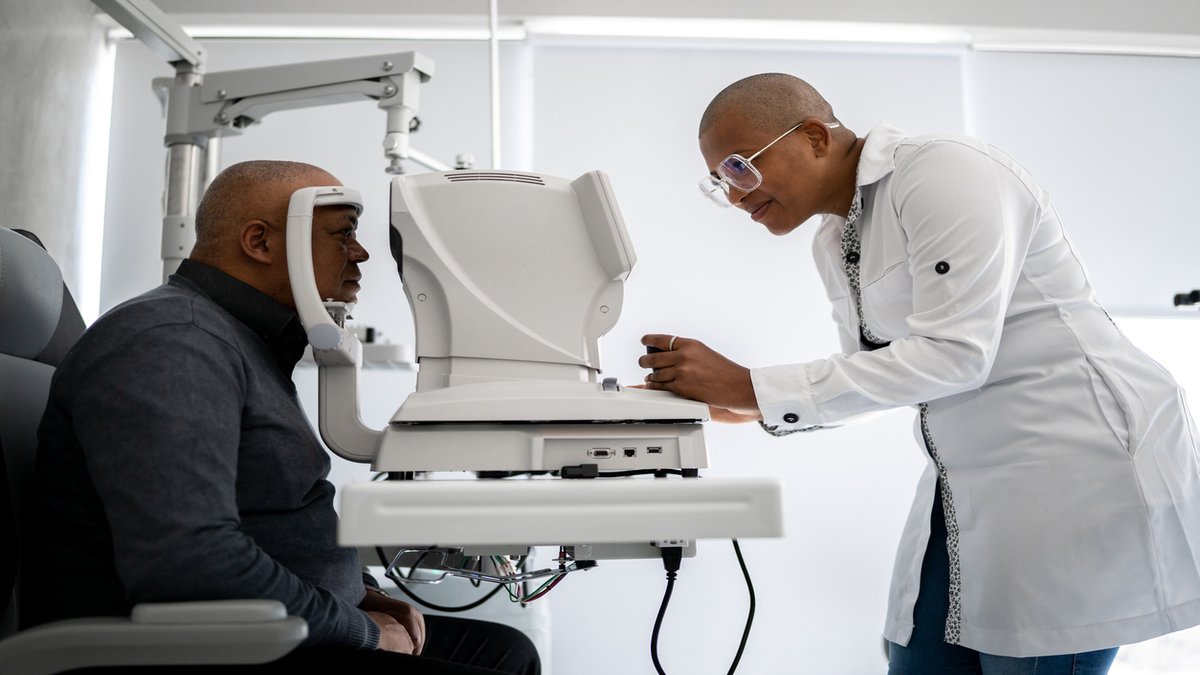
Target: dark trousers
(453, 646)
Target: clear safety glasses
(739, 173)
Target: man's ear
(258, 241)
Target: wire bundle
(504, 567)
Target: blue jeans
(927, 652)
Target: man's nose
(358, 252)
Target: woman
(1059, 514)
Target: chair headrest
(31, 296)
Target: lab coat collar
(878, 157)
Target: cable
(441, 608)
(430, 605)
(671, 557)
(543, 589)
(637, 472)
(750, 615)
(575, 471)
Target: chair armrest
(209, 611)
(188, 633)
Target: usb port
(600, 452)
(654, 449)
(630, 452)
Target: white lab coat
(1071, 455)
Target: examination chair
(38, 324)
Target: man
(175, 462)
(1059, 514)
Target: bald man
(175, 462)
(1059, 513)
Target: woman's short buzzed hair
(769, 101)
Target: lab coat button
(942, 267)
(852, 258)
(791, 418)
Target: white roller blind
(1114, 139)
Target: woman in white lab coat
(1060, 510)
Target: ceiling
(1163, 27)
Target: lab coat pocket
(1114, 413)
(888, 302)
(843, 311)
(846, 320)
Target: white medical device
(512, 278)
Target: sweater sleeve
(159, 421)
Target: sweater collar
(277, 325)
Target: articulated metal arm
(201, 108)
(155, 29)
(224, 103)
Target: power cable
(672, 556)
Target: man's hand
(694, 371)
(401, 626)
(393, 637)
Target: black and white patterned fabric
(851, 257)
(776, 431)
(954, 611)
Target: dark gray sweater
(175, 463)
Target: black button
(942, 267)
(852, 258)
(791, 418)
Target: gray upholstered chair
(38, 324)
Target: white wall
(1114, 139)
(632, 111)
(132, 262)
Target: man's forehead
(337, 210)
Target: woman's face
(790, 188)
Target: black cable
(662, 609)
(671, 559)
(671, 556)
(637, 472)
(750, 615)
